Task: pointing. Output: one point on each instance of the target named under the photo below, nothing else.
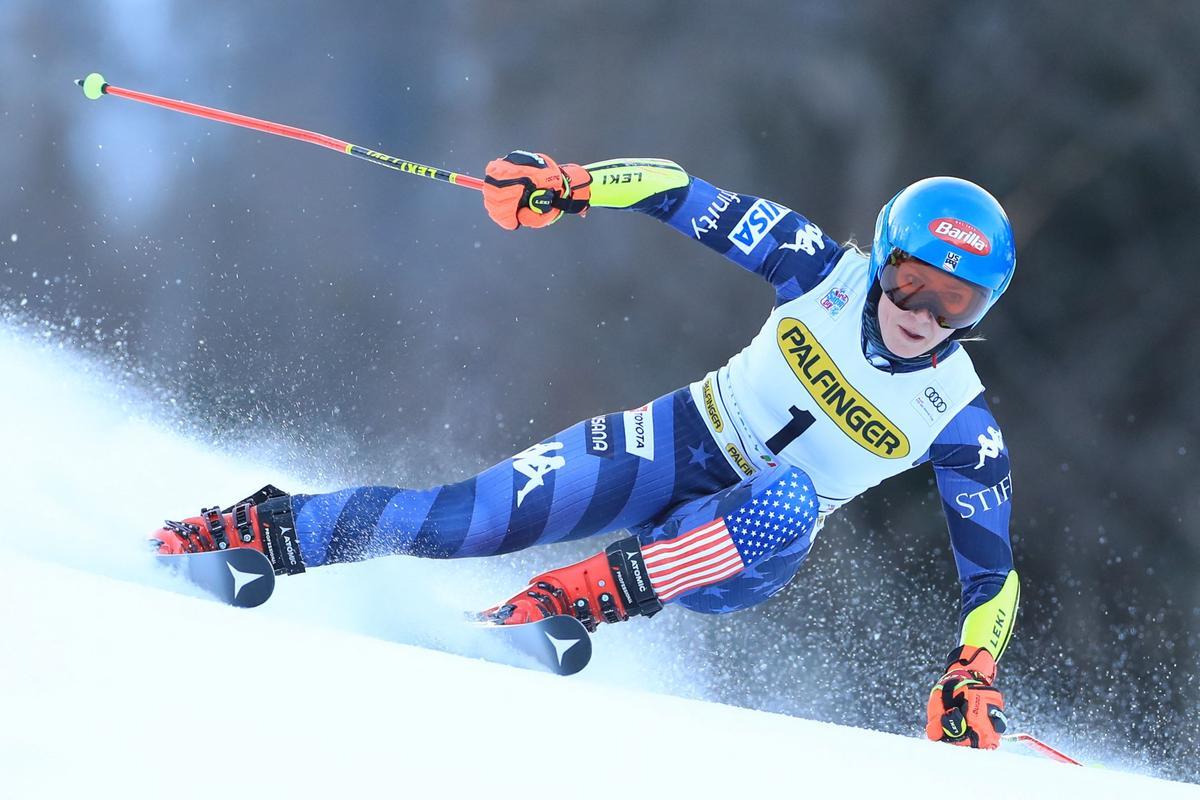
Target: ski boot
(262, 521)
(611, 586)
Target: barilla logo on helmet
(962, 235)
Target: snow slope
(133, 691)
(114, 681)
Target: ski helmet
(953, 225)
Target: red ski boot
(611, 586)
(262, 521)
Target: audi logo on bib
(931, 394)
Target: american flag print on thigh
(750, 538)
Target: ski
(240, 576)
(560, 643)
(243, 578)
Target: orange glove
(530, 189)
(964, 708)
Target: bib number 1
(800, 422)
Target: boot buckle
(216, 527)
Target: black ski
(561, 644)
(243, 577)
(239, 576)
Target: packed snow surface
(118, 681)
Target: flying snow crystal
(13, 238)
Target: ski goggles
(913, 285)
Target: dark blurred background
(388, 332)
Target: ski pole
(94, 86)
(1041, 747)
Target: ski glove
(530, 189)
(964, 708)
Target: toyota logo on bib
(962, 235)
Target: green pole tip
(93, 86)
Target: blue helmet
(952, 224)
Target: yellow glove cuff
(990, 626)
(622, 182)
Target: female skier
(856, 376)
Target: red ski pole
(1041, 747)
(94, 87)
